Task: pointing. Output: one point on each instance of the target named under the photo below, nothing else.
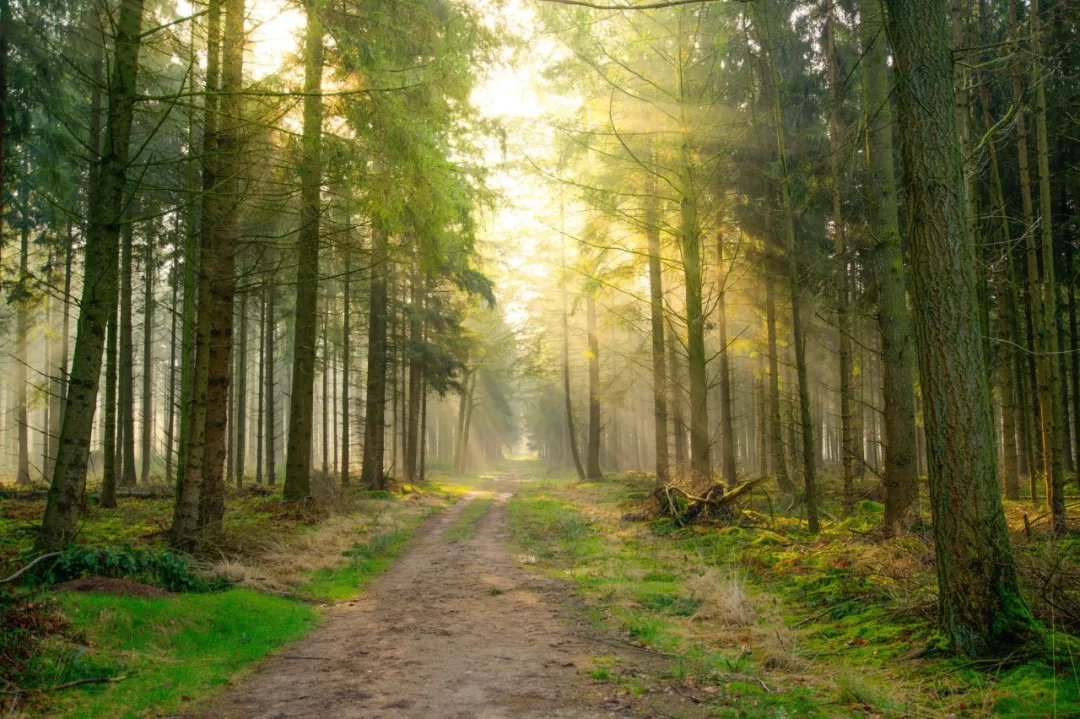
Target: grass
(171, 650)
(365, 561)
(178, 650)
(774, 622)
(464, 527)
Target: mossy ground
(772, 622)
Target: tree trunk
(148, 362)
(241, 393)
(592, 458)
(776, 434)
(268, 353)
(416, 369)
(1053, 416)
(346, 438)
(222, 267)
(1075, 365)
(170, 410)
(261, 385)
(1006, 310)
(571, 434)
(677, 419)
(894, 319)
(126, 391)
(22, 329)
(805, 424)
(193, 428)
(656, 310)
(98, 300)
(108, 448)
(326, 391)
(727, 427)
(371, 471)
(840, 250)
(301, 413)
(979, 601)
(689, 235)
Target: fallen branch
(19, 573)
(93, 680)
(67, 685)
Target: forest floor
(524, 593)
(455, 629)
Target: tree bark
(1054, 429)
(126, 391)
(894, 319)
(727, 427)
(346, 438)
(840, 250)
(146, 448)
(301, 414)
(261, 385)
(268, 353)
(22, 329)
(568, 404)
(979, 601)
(416, 370)
(241, 393)
(108, 447)
(656, 312)
(371, 471)
(222, 267)
(805, 424)
(776, 434)
(592, 457)
(98, 299)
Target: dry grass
(278, 562)
(723, 596)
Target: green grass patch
(364, 562)
(171, 650)
(464, 527)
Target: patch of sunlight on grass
(169, 649)
(464, 527)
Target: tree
(99, 294)
(979, 601)
(298, 459)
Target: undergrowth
(166, 653)
(770, 621)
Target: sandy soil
(454, 629)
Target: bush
(163, 569)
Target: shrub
(164, 569)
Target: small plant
(163, 569)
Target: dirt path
(453, 630)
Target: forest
(536, 358)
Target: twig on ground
(92, 680)
(19, 573)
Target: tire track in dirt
(453, 629)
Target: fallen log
(716, 500)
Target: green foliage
(164, 569)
